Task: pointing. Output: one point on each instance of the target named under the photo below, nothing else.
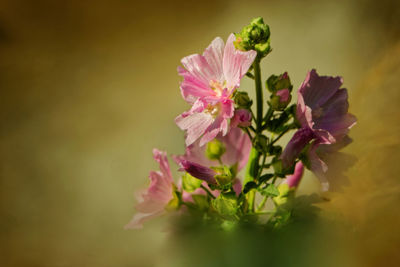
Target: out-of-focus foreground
(88, 88)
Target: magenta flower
(209, 81)
(195, 162)
(322, 110)
(293, 180)
(153, 201)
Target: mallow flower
(209, 81)
(322, 111)
(235, 154)
(159, 195)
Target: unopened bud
(280, 99)
(243, 100)
(241, 118)
(276, 83)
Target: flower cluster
(224, 135)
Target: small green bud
(261, 143)
(276, 83)
(215, 149)
(243, 100)
(224, 176)
(254, 36)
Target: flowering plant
(224, 135)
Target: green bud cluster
(255, 36)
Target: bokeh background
(88, 88)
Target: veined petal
(214, 56)
(292, 150)
(316, 90)
(236, 63)
(195, 124)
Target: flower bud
(276, 83)
(243, 100)
(215, 149)
(280, 99)
(254, 36)
(242, 118)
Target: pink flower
(152, 202)
(242, 118)
(209, 81)
(293, 180)
(322, 110)
(195, 162)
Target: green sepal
(175, 202)
(226, 204)
(190, 183)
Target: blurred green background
(88, 88)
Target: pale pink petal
(198, 66)
(238, 146)
(214, 55)
(139, 218)
(195, 124)
(193, 88)
(161, 158)
(236, 63)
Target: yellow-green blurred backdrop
(88, 88)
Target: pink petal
(292, 150)
(195, 124)
(214, 55)
(236, 63)
(238, 146)
(294, 179)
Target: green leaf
(226, 204)
(201, 201)
(190, 183)
(248, 186)
(266, 177)
(270, 190)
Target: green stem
(255, 160)
(208, 191)
(259, 94)
(262, 204)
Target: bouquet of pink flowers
(225, 135)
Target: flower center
(213, 110)
(217, 86)
(317, 113)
